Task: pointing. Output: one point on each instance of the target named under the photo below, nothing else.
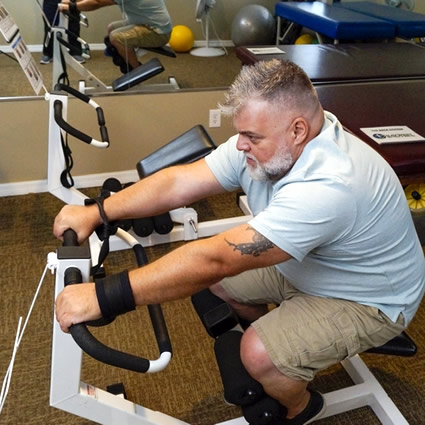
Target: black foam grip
(143, 226)
(239, 387)
(105, 354)
(112, 185)
(104, 134)
(160, 328)
(74, 92)
(100, 116)
(70, 238)
(141, 256)
(58, 107)
(265, 411)
(162, 223)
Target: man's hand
(77, 304)
(64, 5)
(82, 219)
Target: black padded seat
(401, 345)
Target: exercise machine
(89, 83)
(366, 390)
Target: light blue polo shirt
(342, 215)
(152, 13)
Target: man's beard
(273, 169)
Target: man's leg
(126, 52)
(49, 9)
(127, 39)
(291, 393)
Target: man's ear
(299, 130)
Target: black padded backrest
(137, 75)
(192, 145)
(163, 50)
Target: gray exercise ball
(253, 25)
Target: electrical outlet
(215, 118)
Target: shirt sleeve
(226, 165)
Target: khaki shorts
(136, 35)
(305, 333)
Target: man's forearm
(164, 191)
(201, 263)
(89, 5)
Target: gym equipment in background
(90, 83)
(253, 25)
(202, 14)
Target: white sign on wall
(10, 32)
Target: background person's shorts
(305, 334)
(136, 35)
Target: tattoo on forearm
(258, 245)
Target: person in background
(50, 8)
(146, 23)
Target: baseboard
(90, 180)
(37, 48)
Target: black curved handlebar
(58, 108)
(72, 49)
(89, 344)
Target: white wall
(28, 18)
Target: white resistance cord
(19, 335)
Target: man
(146, 23)
(332, 242)
(50, 8)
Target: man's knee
(254, 355)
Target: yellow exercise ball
(415, 195)
(181, 39)
(305, 39)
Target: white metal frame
(70, 394)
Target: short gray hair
(276, 81)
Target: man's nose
(243, 143)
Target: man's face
(264, 138)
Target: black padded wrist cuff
(114, 294)
(73, 9)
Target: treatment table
(327, 63)
(383, 104)
(348, 21)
